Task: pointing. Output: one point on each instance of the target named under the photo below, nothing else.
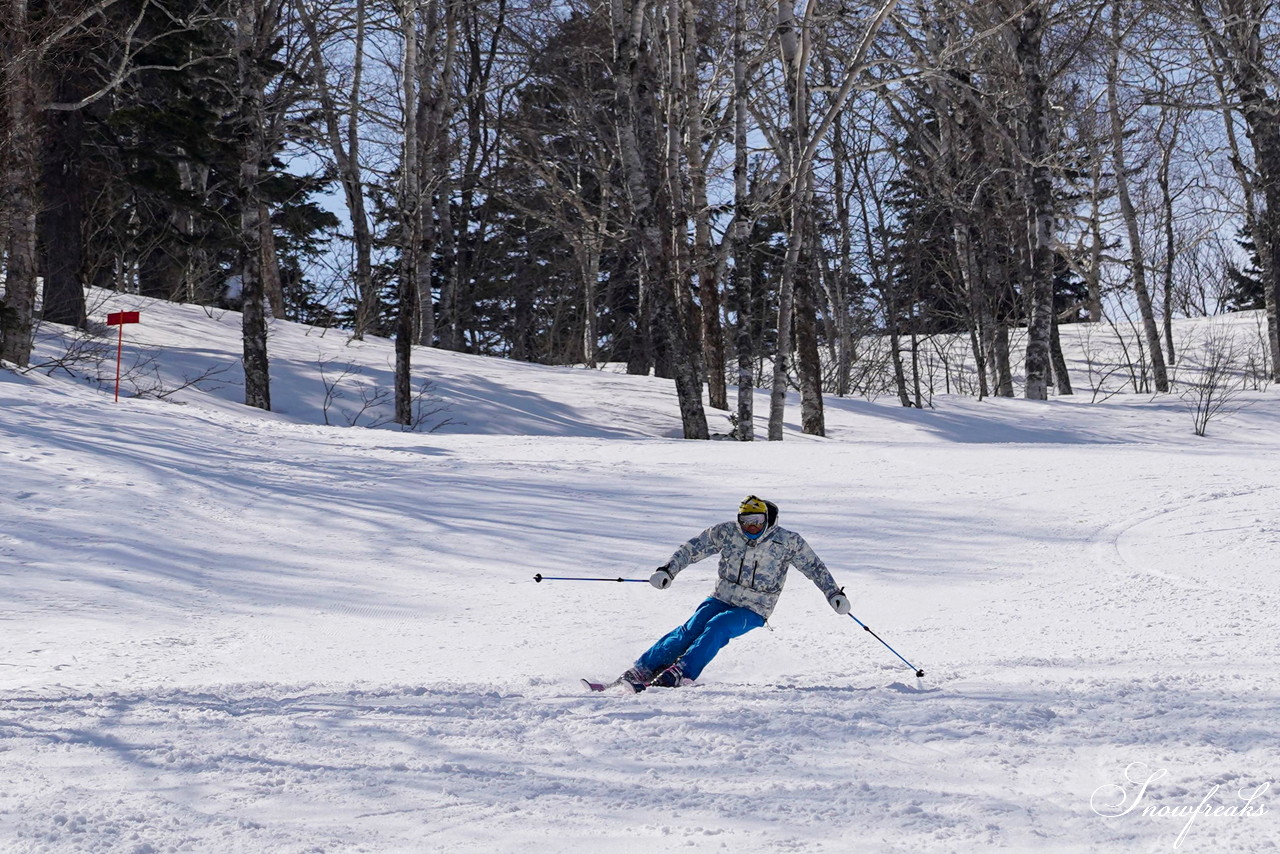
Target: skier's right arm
(661, 578)
(706, 544)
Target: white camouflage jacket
(752, 572)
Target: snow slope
(228, 631)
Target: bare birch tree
(740, 230)
(256, 23)
(341, 114)
(798, 143)
(1241, 40)
(704, 258)
(1028, 33)
(410, 223)
(1137, 255)
(435, 66)
(635, 83)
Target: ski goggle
(751, 522)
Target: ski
(599, 686)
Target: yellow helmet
(751, 504)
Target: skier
(754, 556)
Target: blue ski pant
(695, 643)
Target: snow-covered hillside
(230, 631)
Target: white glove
(839, 603)
(661, 578)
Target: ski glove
(661, 578)
(839, 603)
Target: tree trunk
(436, 70)
(450, 321)
(839, 290)
(786, 307)
(1261, 112)
(20, 190)
(1038, 193)
(975, 290)
(62, 216)
(979, 359)
(671, 199)
(1244, 173)
(353, 186)
(408, 289)
(964, 232)
(796, 159)
(704, 260)
(808, 362)
(588, 256)
(1137, 258)
(893, 315)
(1240, 57)
(1093, 281)
(196, 263)
(744, 341)
(254, 25)
(1061, 379)
(899, 371)
(999, 362)
(797, 151)
(742, 226)
(640, 356)
(346, 157)
(657, 267)
(272, 287)
(1170, 245)
(481, 27)
(795, 194)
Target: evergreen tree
(1247, 291)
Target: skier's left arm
(805, 559)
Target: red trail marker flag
(120, 318)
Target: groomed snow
(226, 631)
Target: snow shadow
(1013, 421)
(180, 518)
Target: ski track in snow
(773, 767)
(225, 633)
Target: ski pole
(919, 672)
(540, 578)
